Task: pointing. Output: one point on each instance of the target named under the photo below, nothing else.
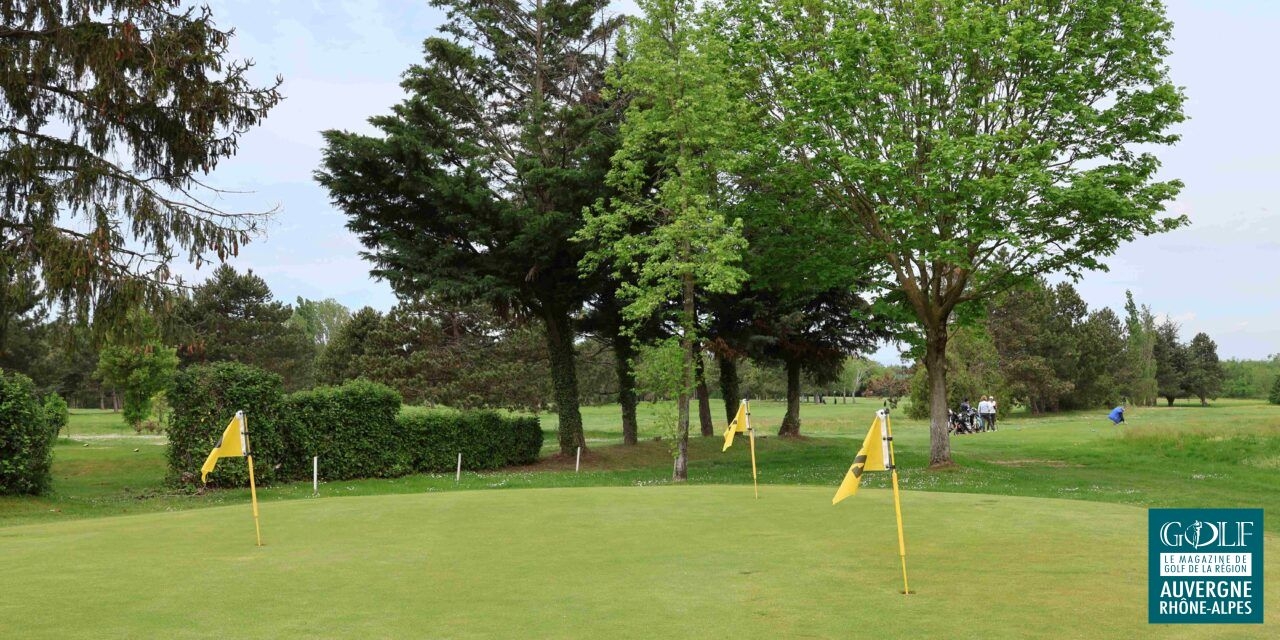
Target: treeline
(1043, 348)
(700, 179)
(431, 352)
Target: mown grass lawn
(1223, 455)
(612, 562)
(610, 551)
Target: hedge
(26, 438)
(486, 440)
(205, 398)
(356, 429)
(352, 428)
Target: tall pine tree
(479, 178)
(111, 111)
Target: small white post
(315, 475)
(459, 477)
(578, 464)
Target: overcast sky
(342, 59)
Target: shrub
(26, 438)
(56, 413)
(1275, 391)
(486, 439)
(352, 428)
(204, 399)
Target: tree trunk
(704, 398)
(729, 389)
(935, 362)
(623, 352)
(564, 378)
(681, 472)
(791, 421)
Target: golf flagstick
(887, 435)
(751, 433)
(253, 486)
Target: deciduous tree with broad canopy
(671, 232)
(971, 145)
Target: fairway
(618, 562)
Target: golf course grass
(1038, 531)
(617, 562)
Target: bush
(352, 428)
(56, 413)
(204, 399)
(26, 438)
(1275, 391)
(486, 439)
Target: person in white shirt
(987, 410)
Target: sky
(342, 60)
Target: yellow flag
(873, 456)
(739, 425)
(233, 444)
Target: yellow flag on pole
(739, 425)
(233, 444)
(873, 456)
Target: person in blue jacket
(1117, 414)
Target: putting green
(635, 562)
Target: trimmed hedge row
(204, 399)
(26, 438)
(486, 440)
(352, 428)
(356, 430)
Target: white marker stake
(459, 478)
(578, 465)
(315, 475)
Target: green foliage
(352, 428)
(462, 356)
(1101, 361)
(205, 398)
(666, 226)
(1249, 378)
(659, 370)
(111, 112)
(665, 233)
(972, 145)
(340, 360)
(1171, 362)
(26, 437)
(1274, 397)
(1036, 333)
(140, 371)
(486, 440)
(478, 179)
(1204, 372)
(973, 367)
(56, 413)
(1139, 371)
(233, 316)
(321, 320)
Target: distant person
(995, 409)
(1117, 415)
(987, 411)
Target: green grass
(623, 562)
(992, 553)
(1224, 455)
